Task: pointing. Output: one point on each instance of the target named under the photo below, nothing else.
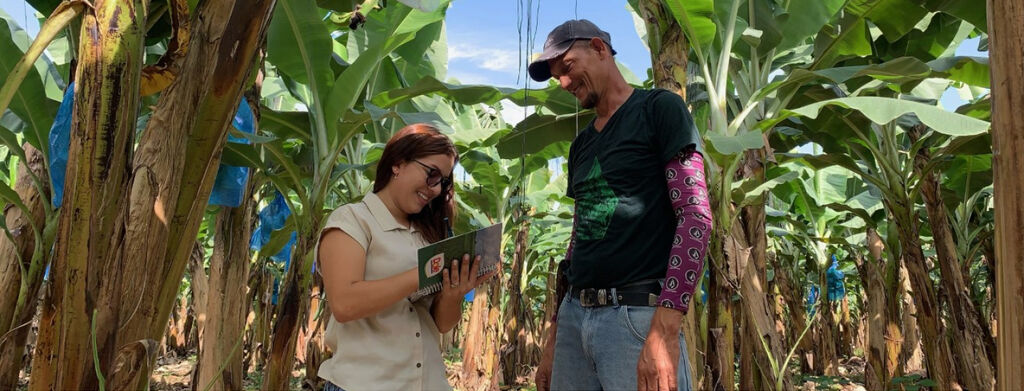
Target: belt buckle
(584, 298)
(588, 299)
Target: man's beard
(589, 101)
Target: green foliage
(827, 88)
(299, 45)
(912, 383)
(802, 19)
(697, 18)
(884, 110)
(552, 97)
(30, 102)
(826, 382)
(538, 131)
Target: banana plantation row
(172, 197)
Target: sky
(490, 41)
(487, 39)
(21, 12)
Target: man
(640, 228)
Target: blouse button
(418, 365)
(410, 309)
(417, 335)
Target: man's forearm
(667, 321)
(687, 188)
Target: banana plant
(521, 193)
(868, 130)
(737, 49)
(820, 211)
(306, 156)
(339, 137)
(29, 222)
(973, 225)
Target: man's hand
(659, 360)
(547, 358)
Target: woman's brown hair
(413, 142)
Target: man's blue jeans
(597, 348)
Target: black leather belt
(639, 294)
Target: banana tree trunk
(778, 301)
(189, 124)
(968, 335)
(292, 310)
(315, 351)
(845, 346)
(937, 353)
(758, 321)
(258, 321)
(15, 322)
(720, 347)
(668, 45)
(894, 330)
(797, 314)
(86, 271)
(519, 352)
(1006, 35)
(825, 356)
(988, 250)
(910, 358)
(700, 336)
(200, 284)
(877, 372)
(550, 298)
(142, 228)
(480, 364)
(176, 328)
(220, 354)
(197, 108)
(258, 338)
(669, 57)
(749, 372)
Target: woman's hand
(456, 281)
(460, 278)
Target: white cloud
(466, 78)
(513, 113)
(501, 60)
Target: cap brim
(539, 69)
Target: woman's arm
(343, 266)
(446, 312)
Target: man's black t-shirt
(624, 221)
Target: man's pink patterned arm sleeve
(689, 195)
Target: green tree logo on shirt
(595, 204)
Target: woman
(367, 254)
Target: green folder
(434, 258)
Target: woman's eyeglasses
(434, 177)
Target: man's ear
(598, 45)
